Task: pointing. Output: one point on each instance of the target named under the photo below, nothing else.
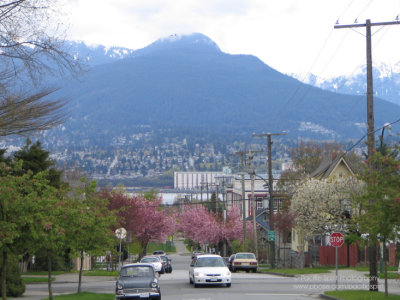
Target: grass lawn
(36, 279)
(366, 269)
(85, 296)
(315, 270)
(390, 275)
(360, 295)
(44, 273)
(100, 273)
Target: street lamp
(120, 233)
(382, 148)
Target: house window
(259, 203)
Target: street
(175, 286)
(254, 286)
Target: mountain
(98, 54)
(386, 82)
(188, 85)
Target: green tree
(90, 227)
(34, 158)
(380, 213)
(52, 221)
(20, 206)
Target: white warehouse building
(195, 180)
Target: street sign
(336, 239)
(120, 233)
(271, 235)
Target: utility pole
(224, 207)
(270, 187)
(253, 202)
(373, 270)
(242, 163)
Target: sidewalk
(348, 279)
(32, 294)
(181, 247)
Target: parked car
(196, 252)
(230, 261)
(159, 252)
(245, 261)
(156, 261)
(137, 281)
(166, 261)
(209, 269)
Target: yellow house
(336, 168)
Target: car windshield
(149, 259)
(139, 271)
(164, 258)
(210, 262)
(245, 256)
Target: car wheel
(190, 280)
(196, 285)
(228, 285)
(162, 271)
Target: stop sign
(336, 239)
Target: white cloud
(292, 36)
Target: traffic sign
(120, 233)
(271, 235)
(336, 239)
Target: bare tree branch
(30, 48)
(29, 42)
(22, 114)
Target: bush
(14, 283)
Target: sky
(291, 36)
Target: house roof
(328, 166)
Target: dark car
(137, 281)
(230, 261)
(158, 252)
(166, 261)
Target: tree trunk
(4, 276)
(80, 272)
(373, 271)
(49, 274)
(144, 250)
(385, 267)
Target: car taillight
(237, 263)
(253, 263)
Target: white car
(209, 269)
(155, 261)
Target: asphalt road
(175, 286)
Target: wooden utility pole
(253, 202)
(242, 164)
(271, 191)
(373, 270)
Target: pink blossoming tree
(143, 218)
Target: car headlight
(198, 274)
(120, 286)
(154, 284)
(226, 273)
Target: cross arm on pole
(365, 24)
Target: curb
(323, 296)
(278, 274)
